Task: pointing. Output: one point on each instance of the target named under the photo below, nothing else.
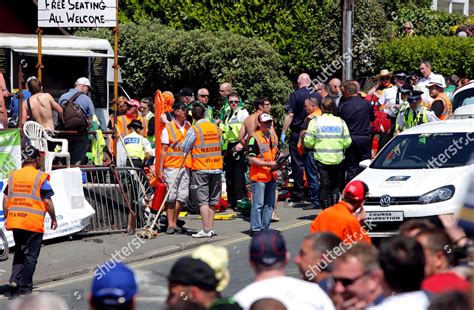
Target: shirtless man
(3, 110)
(42, 106)
(262, 105)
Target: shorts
(206, 188)
(180, 189)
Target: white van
(65, 58)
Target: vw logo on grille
(385, 200)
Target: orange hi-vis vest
(268, 150)
(25, 208)
(447, 106)
(206, 152)
(175, 154)
(122, 123)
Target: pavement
(72, 256)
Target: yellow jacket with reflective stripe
(206, 151)
(231, 127)
(329, 136)
(268, 153)
(175, 154)
(134, 146)
(25, 208)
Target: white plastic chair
(39, 139)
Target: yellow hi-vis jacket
(134, 146)
(329, 136)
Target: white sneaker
(203, 234)
(212, 233)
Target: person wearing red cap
(342, 219)
(132, 113)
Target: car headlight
(437, 195)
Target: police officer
(416, 114)
(27, 199)
(328, 136)
(138, 148)
(234, 157)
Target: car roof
(447, 126)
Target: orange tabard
(206, 152)
(25, 207)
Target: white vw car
(422, 172)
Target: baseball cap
(195, 272)
(217, 258)
(186, 92)
(264, 117)
(356, 190)
(267, 248)
(134, 103)
(116, 286)
(83, 81)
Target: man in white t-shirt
(268, 258)
(428, 76)
(403, 263)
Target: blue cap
(116, 286)
(267, 248)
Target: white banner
(72, 210)
(76, 13)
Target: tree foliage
(159, 57)
(448, 55)
(307, 34)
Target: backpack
(73, 117)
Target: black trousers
(234, 166)
(78, 146)
(297, 167)
(359, 150)
(27, 250)
(328, 181)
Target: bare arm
(50, 209)
(54, 105)
(164, 150)
(243, 133)
(260, 162)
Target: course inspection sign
(76, 13)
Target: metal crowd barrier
(114, 193)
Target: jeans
(263, 202)
(27, 250)
(312, 177)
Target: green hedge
(448, 55)
(426, 22)
(159, 57)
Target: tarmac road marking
(158, 259)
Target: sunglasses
(347, 282)
(234, 101)
(384, 78)
(203, 96)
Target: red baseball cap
(356, 190)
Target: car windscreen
(426, 151)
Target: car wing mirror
(365, 163)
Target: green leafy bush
(159, 57)
(448, 55)
(307, 34)
(426, 22)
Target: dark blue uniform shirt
(357, 113)
(296, 106)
